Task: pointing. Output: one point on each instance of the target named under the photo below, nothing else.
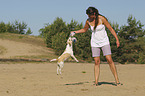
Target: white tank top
(99, 36)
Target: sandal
(118, 84)
(96, 84)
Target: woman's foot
(118, 84)
(96, 84)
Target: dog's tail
(53, 60)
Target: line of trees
(131, 36)
(16, 27)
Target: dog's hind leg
(58, 67)
(61, 66)
(60, 71)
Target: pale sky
(36, 13)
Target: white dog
(65, 55)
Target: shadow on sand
(78, 83)
(106, 83)
(99, 83)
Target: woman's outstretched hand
(72, 33)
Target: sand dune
(14, 49)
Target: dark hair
(91, 11)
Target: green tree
(2, 27)
(131, 37)
(141, 50)
(130, 47)
(29, 31)
(19, 27)
(16, 27)
(10, 28)
(59, 42)
(52, 29)
(82, 46)
(112, 40)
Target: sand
(40, 79)
(18, 49)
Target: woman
(99, 39)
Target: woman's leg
(112, 67)
(97, 69)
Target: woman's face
(92, 16)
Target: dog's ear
(69, 42)
(69, 39)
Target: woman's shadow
(106, 83)
(99, 83)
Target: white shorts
(96, 51)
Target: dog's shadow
(78, 83)
(99, 83)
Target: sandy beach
(77, 79)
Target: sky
(37, 13)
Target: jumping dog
(65, 55)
